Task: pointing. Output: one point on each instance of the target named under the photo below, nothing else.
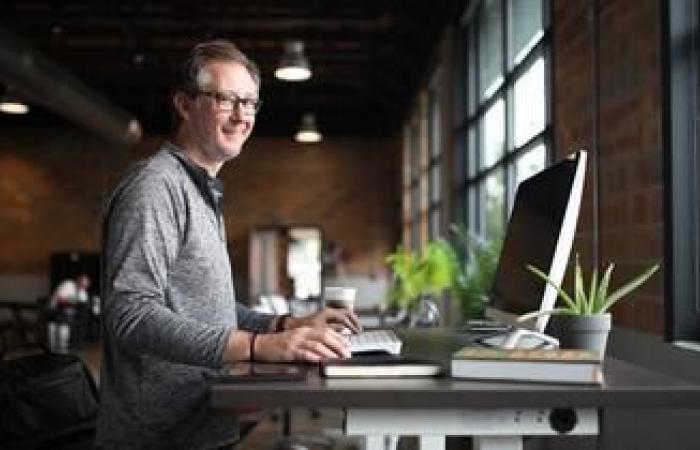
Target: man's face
(219, 131)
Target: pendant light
(308, 131)
(10, 103)
(294, 66)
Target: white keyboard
(375, 340)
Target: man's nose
(237, 112)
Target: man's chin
(232, 152)
(232, 147)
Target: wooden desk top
(625, 386)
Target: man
(169, 305)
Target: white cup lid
(339, 293)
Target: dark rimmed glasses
(228, 101)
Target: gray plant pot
(582, 332)
(425, 313)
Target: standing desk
(496, 414)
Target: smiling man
(170, 314)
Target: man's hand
(304, 343)
(335, 318)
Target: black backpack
(46, 397)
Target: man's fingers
(340, 345)
(355, 322)
(307, 355)
(350, 320)
(315, 344)
(345, 317)
(323, 350)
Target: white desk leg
(379, 442)
(431, 442)
(498, 443)
(374, 442)
(390, 442)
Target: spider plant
(597, 300)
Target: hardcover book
(380, 365)
(537, 365)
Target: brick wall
(51, 189)
(347, 186)
(629, 155)
(53, 185)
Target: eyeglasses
(229, 101)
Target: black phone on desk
(258, 372)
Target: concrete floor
(322, 431)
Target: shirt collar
(211, 187)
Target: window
(682, 125)
(422, 164)
(434, 158)
(502, 127)
(411, 184)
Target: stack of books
(531, 365)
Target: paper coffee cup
(339, 297)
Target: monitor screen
(540, 232)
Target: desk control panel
(475, 422)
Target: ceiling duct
(45, 83)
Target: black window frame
(681, 131)
(435, 154)
(467, 181)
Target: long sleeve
(252, 320)
(145, 234)
(168, 309)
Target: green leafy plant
(440, 269)
(597, 300)
(474, 277)
(417, 275)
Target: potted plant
(418, 279)
(474, 277)
(584, 320)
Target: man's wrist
(251, 351)
(237, 346)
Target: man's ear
(182, 104)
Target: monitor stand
(520, 338)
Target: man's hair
(220, 50)
(189, 77)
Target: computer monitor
(540, 232)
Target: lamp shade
(12, 104)
(308, 132)
(294, 66)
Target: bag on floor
(44, 395)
